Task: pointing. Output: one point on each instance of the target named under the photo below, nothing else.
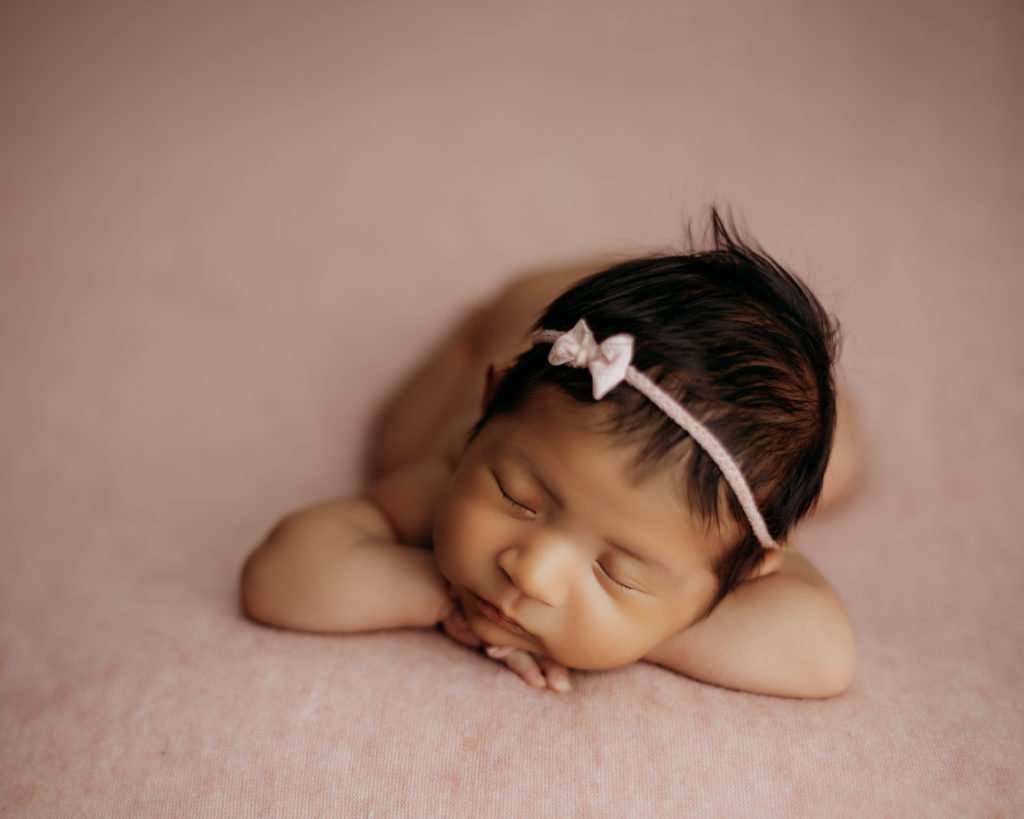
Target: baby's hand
(522, 662)
(533, 667)
(457, 627)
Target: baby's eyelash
(507, 496)
(617, 582)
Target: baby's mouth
(495, 616)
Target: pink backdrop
(229, 229)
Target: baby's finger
(524, 665)
(556, 673)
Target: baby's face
(551, 560)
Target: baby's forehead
(643, 471)
(558, 440)
(594, 429)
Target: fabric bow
(607, 361)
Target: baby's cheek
(599, 643)
(458, 536)
(600, 657)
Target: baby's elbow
(258, 592)
(837, 664)
(252, 596)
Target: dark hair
(742, 344)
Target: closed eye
(508, 497)
(604, 571)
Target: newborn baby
(625, 490)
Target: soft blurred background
(229, 229)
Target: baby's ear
(771, 562)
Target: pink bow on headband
(607, 361)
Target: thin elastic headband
(610, 363)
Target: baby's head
(601, 527)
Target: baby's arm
(785, 634)
(351, 565)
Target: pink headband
(609, 364)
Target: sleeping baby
(599, 468)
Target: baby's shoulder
(451, 440)
(408, 496)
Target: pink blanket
(218, 219)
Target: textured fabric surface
(209, 211)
